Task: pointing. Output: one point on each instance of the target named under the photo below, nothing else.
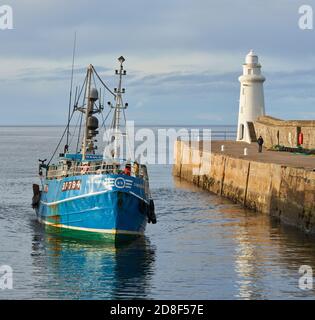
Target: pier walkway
(236, 150)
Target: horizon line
(136, 125)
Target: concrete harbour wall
(287, 193)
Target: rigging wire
(102, 82)
(84, 86)
(103, 123)
(67, 128)
(71, 83)
(79, 133)
(104, 120)
(74, 131)
(127, 136)
(69, 120)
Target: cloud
(183, 57)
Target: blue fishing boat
(89, 195)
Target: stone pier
(277, 183)
(285, 132)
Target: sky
(183, 57)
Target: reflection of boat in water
(88, 195)
(78, 269)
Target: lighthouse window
(249, 71)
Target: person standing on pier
(260, 142)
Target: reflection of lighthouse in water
(252, 103)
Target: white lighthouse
(252, 103)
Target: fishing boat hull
(95, 206)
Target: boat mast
(118, 107)
(88, 111)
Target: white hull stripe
(85, 196)
(138, 197)
(105, 231)
(74, 198)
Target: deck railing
(208, 136)
(83, 169)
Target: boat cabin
(72, 166)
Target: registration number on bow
(71, 185)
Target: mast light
(121, 59)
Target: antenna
(71, 85)
(75, 97)
(118, 106)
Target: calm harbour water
(203, 247)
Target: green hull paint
(90, 236)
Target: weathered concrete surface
(276, 183)
(282, 132)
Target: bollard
(245, 151)
(222, 148)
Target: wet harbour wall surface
(284, 191)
